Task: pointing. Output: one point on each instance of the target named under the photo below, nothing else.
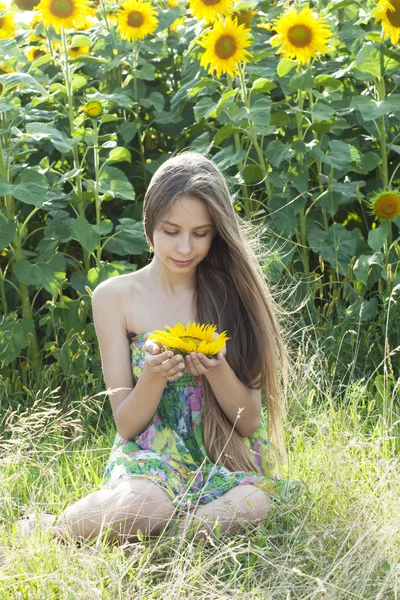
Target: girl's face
(184, 233)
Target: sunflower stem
(300, 158)
(384, 158)
(135, 59)
(75, 151)
(253, 136)
(96, 185)
(248, 208)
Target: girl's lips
(183, 263)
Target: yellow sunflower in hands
(192, 338)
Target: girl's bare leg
(244, 503)
(135, 503)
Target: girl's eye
(176, 233)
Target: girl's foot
(32, 522)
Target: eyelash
(175, 233)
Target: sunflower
(34, 53)
(389, 14)
(136, 19)
(69, 14)
(192, 338)
(225, 46)
(76, 51)
(245, 17)
(93, 109)
(386, 204)
(7, 24)
(301, 35)
(210, 10)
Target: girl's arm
(233, 395)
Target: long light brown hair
(232, 293)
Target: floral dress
(171, 452)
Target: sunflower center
(211, 2)
(388, 204)
(225, 47)
(135, 18)
(393, 16)
(62, 9)
(1, 22)
(300, 36)
(188, 338)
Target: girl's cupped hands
(197, 363)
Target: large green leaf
(227, 157)
(13, 338)
(130, 238)
(85, 233)
(40, 274)
(371, 109)
(30, 187)
(364, 263)
(278, 152)
(7, 230)
(60, 141)
(115, 183)
(378, 236)
(337, 246)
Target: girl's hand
(162, 364)
(197, 363)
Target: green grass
(341, 541)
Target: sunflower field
(298, 104)
(295, 102)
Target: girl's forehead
(188, 210)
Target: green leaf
(80, 40)
(302, 81)
(322, 111)
(227, 157)
(262, 85)
(327, 81)
(278, 152)
(30, 187)
(364, 310)
(26, 81)
(285, 65)
(225, 132)
(340, 156)
(337, 246)
(223, 100)
(13, 338)
(85, 233)
(7, 231)
(130, 238)
(41, 274)
(40, 131)
(260, 115)
(115, 183)
(368, 60)
(378, 236)
(205, 107)
(104, 227)
(146, 72)
(119, 154)
(78, 81)
(369, 161)
(372, 109)
(363, 264)
(128, 130)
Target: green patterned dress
(171, 452)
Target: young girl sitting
(192, 440)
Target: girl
(191, 438)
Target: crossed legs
(138, 503)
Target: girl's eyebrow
(199, 227)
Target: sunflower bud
(93, 109)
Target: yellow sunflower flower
(7, 24)
(225, 46)
(69, 14)
(192, 338)
(210, 10)
(25, 4)
(389, 14)
(386, 204)
(34, 53)
(136, 19)
(76, 51)
(93, 109)
(177, 23)
(300, 35)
